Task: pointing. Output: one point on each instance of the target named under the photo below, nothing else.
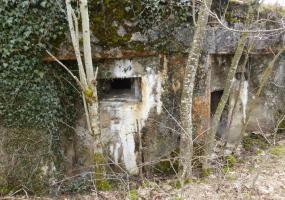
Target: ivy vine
(34, 94)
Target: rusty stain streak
(105, 55)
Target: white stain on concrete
(244, 98)
(129, 117)
(123, 68)
(280, 75)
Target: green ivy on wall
(34, 94)
(28, 95)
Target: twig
(66, 68)
(276, 128)
(140, 149)
(194, 12)
(245, 30)
(262, 133)
(175, 120)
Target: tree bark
(186, 140)
(90, 75)
(73, 28)
(88, 80)
(93, 106)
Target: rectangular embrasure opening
(121, 89)
(215, 99)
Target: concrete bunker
(263, 113)
(130, 91)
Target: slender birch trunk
(74, 32)
(186, 140)
(88, 78)
(93, 107)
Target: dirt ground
(257, 176)
(260, 177)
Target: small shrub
(26, 161)
(258, 152)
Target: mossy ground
(230, 161)
(166, 167)
(277, 150)
(133, 194)
(253, 142)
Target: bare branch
(72, 20)
(66, 68)
(245, 30)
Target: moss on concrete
(106, 16)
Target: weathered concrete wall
(122, 117)
(217, 41)
(155, 115)
(156, 59)
(271, 102)
(152, 119)
(266, 107)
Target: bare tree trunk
(186, 140)
(73, 28)
(88, 80)
(74, 32)
(90, 75)
(226, 93)
(228, 86)
(93, 107)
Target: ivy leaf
(43, 4)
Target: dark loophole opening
(118, 83)
(120, 89)
(215, 99)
